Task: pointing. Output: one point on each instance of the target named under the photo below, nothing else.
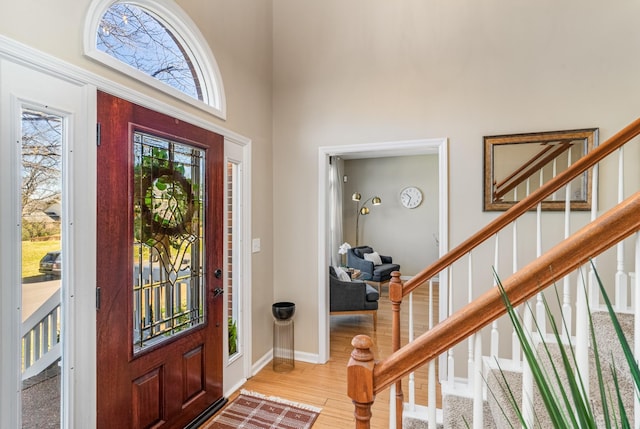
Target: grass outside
(32, 252)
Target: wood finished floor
(325, 386)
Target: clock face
(411, 197)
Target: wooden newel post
(360, 380)
(395, 296)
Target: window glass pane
(135, 37)
(168, 242)
(42, 263)
(233, 290)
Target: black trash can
(283, 348)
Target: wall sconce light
(362, 209)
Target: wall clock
(411, 197)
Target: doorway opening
(373, 150)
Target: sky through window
(136, 37)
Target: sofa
(374, 268)
(351, 297)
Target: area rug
(252, 410)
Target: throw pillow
(342, 274)
(373, 257)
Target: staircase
(469, 339)
(503, 383)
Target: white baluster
(157, 313)
(147, 310)
(540, 312)
(450, 355)
(566, 288)
(27, 341)
(45, 335)
(431, 388)
(527, 376)
(167, 295)
(515, 344)
(594, 294)
(495, 336)
(478, 400)
(636, 323)
(470, 361)
(137, 312)
(53, 334)
(554, 172)
(632, 298)
(38, 342)
(412, 376)
(582, 330)
(392, 406)
(621, 281)
(178, 300)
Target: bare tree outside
(41, 160)
(41, 172)
(134, 36)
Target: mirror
(518, 164)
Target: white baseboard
(268, 357)
(307, 357)
(236, 387)
(262, 362)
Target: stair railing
(386, 373)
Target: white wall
(361, 71)
(405, 234)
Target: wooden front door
(159, 250)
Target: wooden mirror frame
(515, 164)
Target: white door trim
(23, 86)
(241, 153)
(437, 146)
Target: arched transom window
(157, 44)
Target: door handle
(218, 273)
(218, 291)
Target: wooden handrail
(579, 167)
(596, 237)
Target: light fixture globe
(376, 201)
(356, 196)
(364, 211)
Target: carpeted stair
(500, 414)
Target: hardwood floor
(325, 386)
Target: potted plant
(233, 336)
(562, 389)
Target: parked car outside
(51, 264)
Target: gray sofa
(378, 274)
(352, 297)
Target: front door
(159, 278)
